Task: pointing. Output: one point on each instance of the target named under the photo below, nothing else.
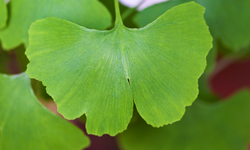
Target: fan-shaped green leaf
(228, 20)
(89, 13)
(223, 126)
(101, 73)
(3, 13)
(26, 125)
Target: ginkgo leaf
(228, 20)
(3, 13)
(89, 13)
(26, 125)
(221, 126)
(102, 73)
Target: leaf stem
(118, 19)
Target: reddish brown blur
(232, 78)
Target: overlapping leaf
(89, 13)
(223, 126)
(102, 73)
(26, 125)
(3, 13)
(228, 20)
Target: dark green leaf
(89, 13)
(4, 60)
(205, 92)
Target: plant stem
(118, 19)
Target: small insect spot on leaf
(128, 81)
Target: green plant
(104, 74)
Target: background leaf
(3, 13)
(222, 126)
(102, 78)
(26, 125)
(89, 13)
